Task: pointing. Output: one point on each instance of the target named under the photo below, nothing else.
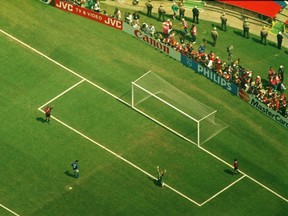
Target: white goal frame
(198, 121)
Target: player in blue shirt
(75, 168)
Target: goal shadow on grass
(127, 97)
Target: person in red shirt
(47, 111)
(235, 165)
(193, 32)
(271, 73)
(185, 26)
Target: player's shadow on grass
(208, 42)
(239, 33)
(218, 27)
(272, 44)
(155, 181)
(228, 171)
(257, 40)
(41, 119)
(69, 174)
(154, 16)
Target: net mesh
(176, 110)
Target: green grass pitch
(118, 149)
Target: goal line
(175, 110)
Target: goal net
(173, 109)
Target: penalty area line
(215, 195)
(257, 182)
(61, 65)
(9, 210)
(124, 102)
(64, 92)
(120, 157)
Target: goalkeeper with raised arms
(160, 176)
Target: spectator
(201, 49)
(105, 13)
(117, 14)
(135, 25)
(281, 73)
(90, 4)
(182, 38)
(165, 29)
(258, 83)
(193, 32)
(204, 59)
(128, 18)
(179, 47)
(136, 17)
(175, 9)
(195, 13)
(144, 28)
(169, 24)
(161, 13)
(246, 26)
(271, 73)
(151, 30)
(78, 2)
(274, 81)
(172, 41)
(149, 8)
(279, 39)
(229, 52)
(159, 37)
(231, 70)
(282, 87)
(214, 35)
(263, 35)
(211, 58)
(217, 65)
(185, 26)
(181, 12)
(96, 7)
(223, 19)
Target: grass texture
(36, 156)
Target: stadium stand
(266, 8)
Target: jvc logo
(114, 23)
(65, 6)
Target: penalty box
(124, 132)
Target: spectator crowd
(269, 90)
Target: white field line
(118, 156)
(71, 71)
(259, 183)
(60, 65)
(262, 185)
(212, 197)
(9, 210)
(61, 94)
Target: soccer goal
(175, 110)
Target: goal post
(173, 109)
